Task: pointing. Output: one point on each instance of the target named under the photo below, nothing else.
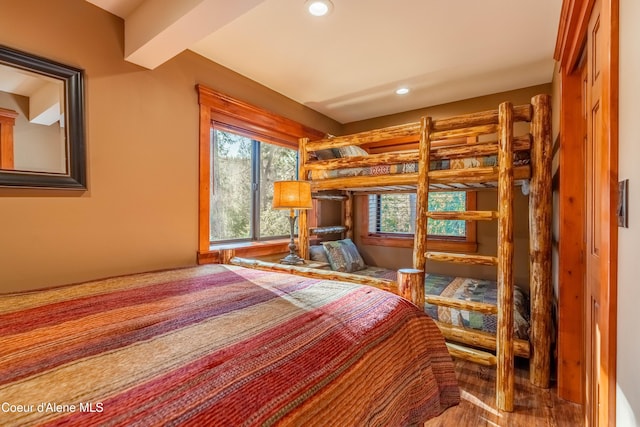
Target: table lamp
(292, 195)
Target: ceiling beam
(158, 30)
(44, 104)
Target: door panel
(598, 243)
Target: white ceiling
(348, 64)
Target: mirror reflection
(42, 138)
(32, 129)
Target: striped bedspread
(219, 346)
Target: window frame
(232, 115)
(255, 234)
(467, 244)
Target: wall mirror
(42, 137)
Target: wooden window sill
(244, 249)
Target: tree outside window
(396, 214)
(243, 173)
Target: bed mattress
(479, 291)
(520, 158)
(219, 345)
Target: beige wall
(487, 200)
(141, 210)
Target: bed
(220, 345)
(489, 150)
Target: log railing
(332, 229)
(409, 284)
(316, 273)
(447, 135)
(540, 204)
(505, 375)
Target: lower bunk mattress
(476, 290)
(465, 289)
(219, 345)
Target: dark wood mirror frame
(73, 78)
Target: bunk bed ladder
(503, 341)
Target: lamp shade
(292, 195)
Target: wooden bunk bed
(482, 134)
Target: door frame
(571, 39)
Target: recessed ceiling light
(319, 7)
(402, 91)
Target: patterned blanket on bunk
(378, 272)
(219, 345)
(479, 291)
(520, 158)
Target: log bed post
(411, 285)
(226, 255)
(540, 204)
(504, 338)
(303, 227)
(348, 215)
(422, 195)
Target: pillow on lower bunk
(343, 256)
(317, 253)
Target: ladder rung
(328, 230)
(463, 215)
(467, 336)
(481, 307)
(332, 197)
(478, 356)
(462, 258)
(469, 175)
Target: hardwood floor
(533, 406)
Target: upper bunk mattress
(520, 158)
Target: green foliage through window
(396, 213)
(243, 173)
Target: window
(243, 173)
(396, 214)
(391, 220)
(243, 149)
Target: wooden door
(588, 196)
(600, 235)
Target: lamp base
(292, 259)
